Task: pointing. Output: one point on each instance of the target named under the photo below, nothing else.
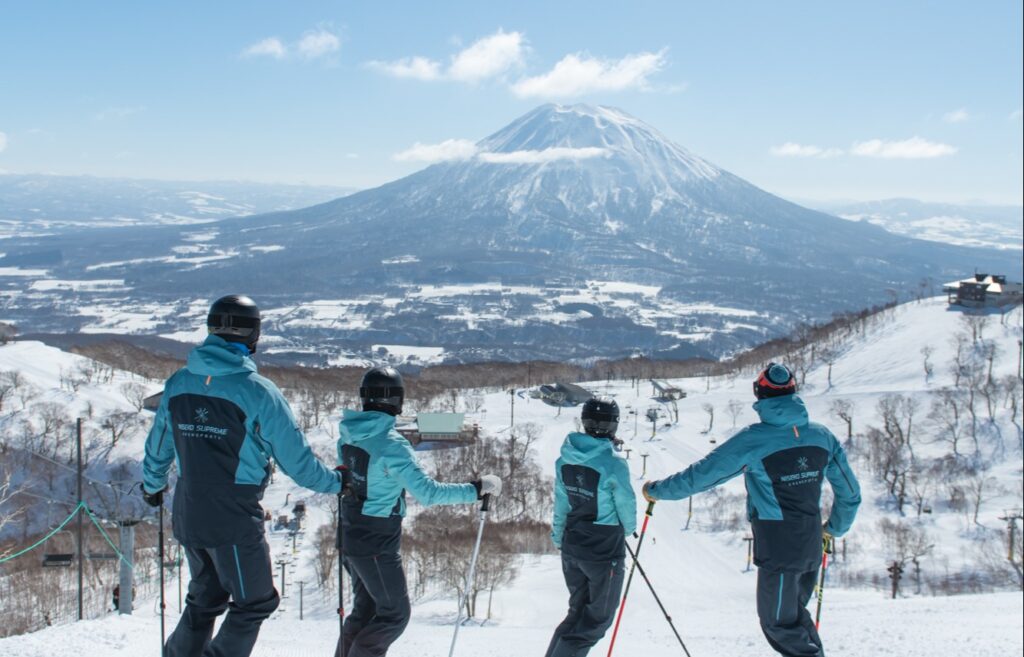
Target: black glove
(153, 499)
(827, 541)
(345, 476)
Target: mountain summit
(575, 231)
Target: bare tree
(844, 409)
(906, 542)
(1012, 391)
(975, 324)
(734, 408)
(929, 368)
(135, 393)
(829, 355)
(980, 488)
(10, 510)
(325, 556)
(890, 462)
(119, 423)
(7, 386)
(945, 416)
(710, 410)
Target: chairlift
(60, 559)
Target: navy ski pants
(235, 578)
(594, 590)
(782, 598)
(380, 605)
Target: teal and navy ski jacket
(595, 506)
(784, 460)
(222, 422)
(382, 467)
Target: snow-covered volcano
(573, 232)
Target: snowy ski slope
(700, 575)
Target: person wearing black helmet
(381, 467)
(784, 460)
(222, 422)
(595, 508)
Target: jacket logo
(202, 415)
(802, 463)
(580, 481)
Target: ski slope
(700, 575)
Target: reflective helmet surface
(600, 417)
(236, 318)
(382, 389)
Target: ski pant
(782, 598)
(594, 590)
(236, 578)
(380, 605)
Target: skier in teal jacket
(595, 508)
(380, 466)
(784, 459)
(222, 422)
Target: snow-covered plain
(700, 574)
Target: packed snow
(700, 575)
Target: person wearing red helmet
(784, 460)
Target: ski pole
(163, 605)
(470, 576)
(341, 582)
(622, 606)
(821, 589)
(340, 546)
(657, 599)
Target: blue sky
(808, 100)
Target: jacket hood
(215, 357)
(357, 426)
(782, 411)
(581, 447)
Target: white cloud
(1016, 114)
(791, 149)
(913, 148)
(546, 155)
(3, 141)
(317, 43)
(418, 68)
(446, 151)
(269, 47)
(957, 116)
(118, 112)
(488, 57)
(579, 74)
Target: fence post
(126, 580)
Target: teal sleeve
(401, 464)
(159, 451)
(624, 496)
(280, 432)
(562, 509)
(718, 467)
(845, 489)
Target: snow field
(699, 575)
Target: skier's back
(595, 508)
(785, 459)
(380, 467)
(223, 422)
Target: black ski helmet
(382, 389)
(774, 381)
(600, 417)
(236, 319)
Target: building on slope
(984, 291)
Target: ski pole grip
(485, 507)
(650, 508)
